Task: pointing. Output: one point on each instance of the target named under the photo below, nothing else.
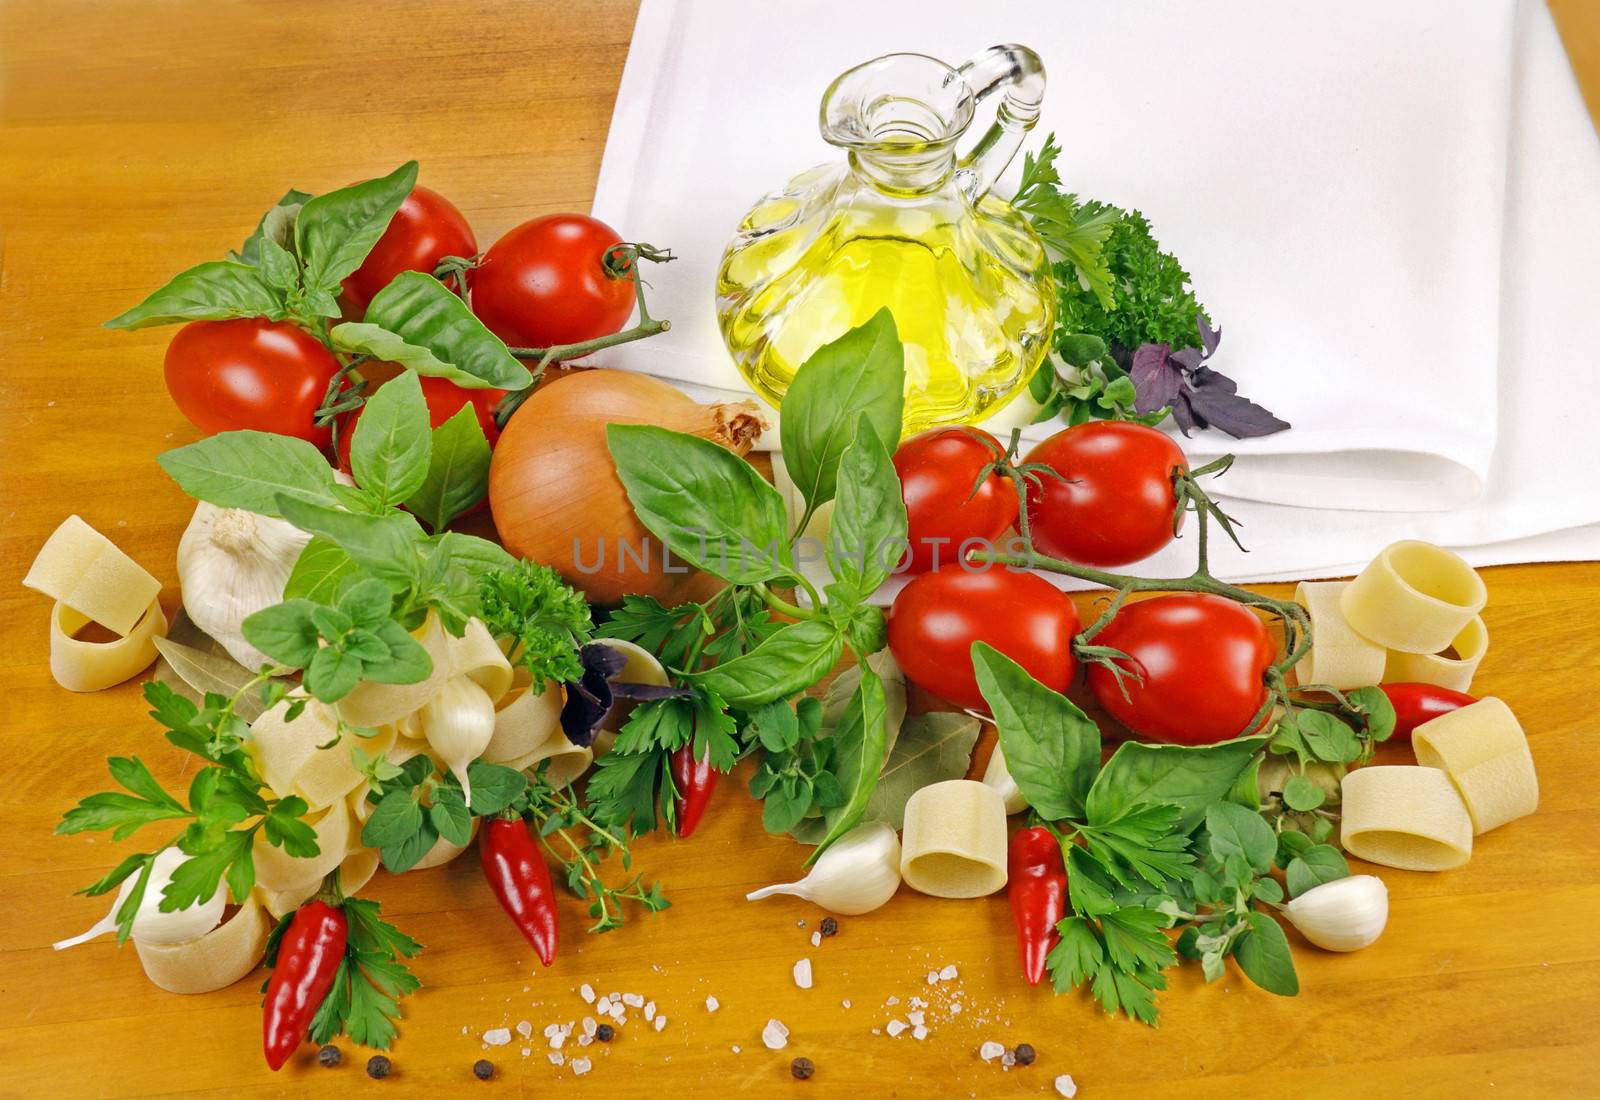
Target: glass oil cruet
(906, 223)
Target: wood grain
(140, 137)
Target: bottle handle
(1018, 71)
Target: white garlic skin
(150, 924)
(458, 723)
(1346, 914)
(860, 872)
(231, 564)
(998, 776)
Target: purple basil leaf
(605, 660)
(1183, 414)
(1209, 337)
(591, 697)
(1216, 403)
(1156, 382)
(1187, 358)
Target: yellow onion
(556, 497)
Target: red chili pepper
(695, 780)
(1037, 885)
(309, 955)
(520, 879)
(1415, 704)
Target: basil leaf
(1318, 864)
(1263, 954)
(216, 290)
(276, 225)
(458, 471)
(1232, 830)
(389, 546)
(790, 661)
(860, 374)
(868, 535)
(278, 266)
(472, 555)
(417, 322)
(392, 444)
(1190, 777)
(334, 232)
(1327, 737)
(320, 571)
(858, 772)
(706, 503)
(250, 470)
(284, 632)
(1052, 748)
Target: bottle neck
(904, 173)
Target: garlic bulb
(150, 924)
(998, 776)
(231, 564)
(859, 873)
(458, 723)
(1346, 914)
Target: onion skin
(556, 497)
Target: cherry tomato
(545, 283)
(938, 470)
(425, 230)
(1113, 503)
(444, 399)
(270, 376)
(1202, 658)
(1415, 704)
(938, 616)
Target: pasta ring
(1414, 597)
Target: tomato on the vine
(545, 283)
(936, 618)
(1114, 501)
(269, 376)
(425, 230)
(938, 472)
(1203, 659)
(444, 399)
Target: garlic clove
(458, 723)
(150, 924)
(1346, 914)
(998, 776)
(858, 874)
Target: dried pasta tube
(291, 760)
(78, 665)
(523, 721)
(358, 868)
(567, 761)
(372, 705)
(640, 667)
(443, 851)
(80, 567)
(1483, 750)
(1453, 672)
(213, 961)
(1414, 597)
(1405, 817)
(954, 844)
(477, 656)
(1339, 657)
(277, 870)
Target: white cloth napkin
(1389, 206)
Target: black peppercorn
(830, 927)
(329, 1056)
(605, 1033)
(378, 1067)
(802, 1068)
(1024, 1054)
(483, 1069)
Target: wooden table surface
(139, 137)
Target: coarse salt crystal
(712, 1004)
(586, 991)
(585, 1040)
(1066, 1086)
(736, 1048)
(933, 977)
(917, 1017)
(661, 1022)
(551, 1029)
(497, 1037)
(955, 1008)
(802, 973)
(816, 939)
(919, 1032)
(556, 1040)
(877, 1031)
(845, 1002)
(589, 1025)
(633, 1000)
(580, 1066)
(896, 1027)
(556, 1058)
(463, 1029)
(526, 1051)
(949, 973)
(775, 1035)
(1008, 1059)
(891, 1002)
(524, 1028)
(990, 1050)
(917, 1002)
(650, 1010)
